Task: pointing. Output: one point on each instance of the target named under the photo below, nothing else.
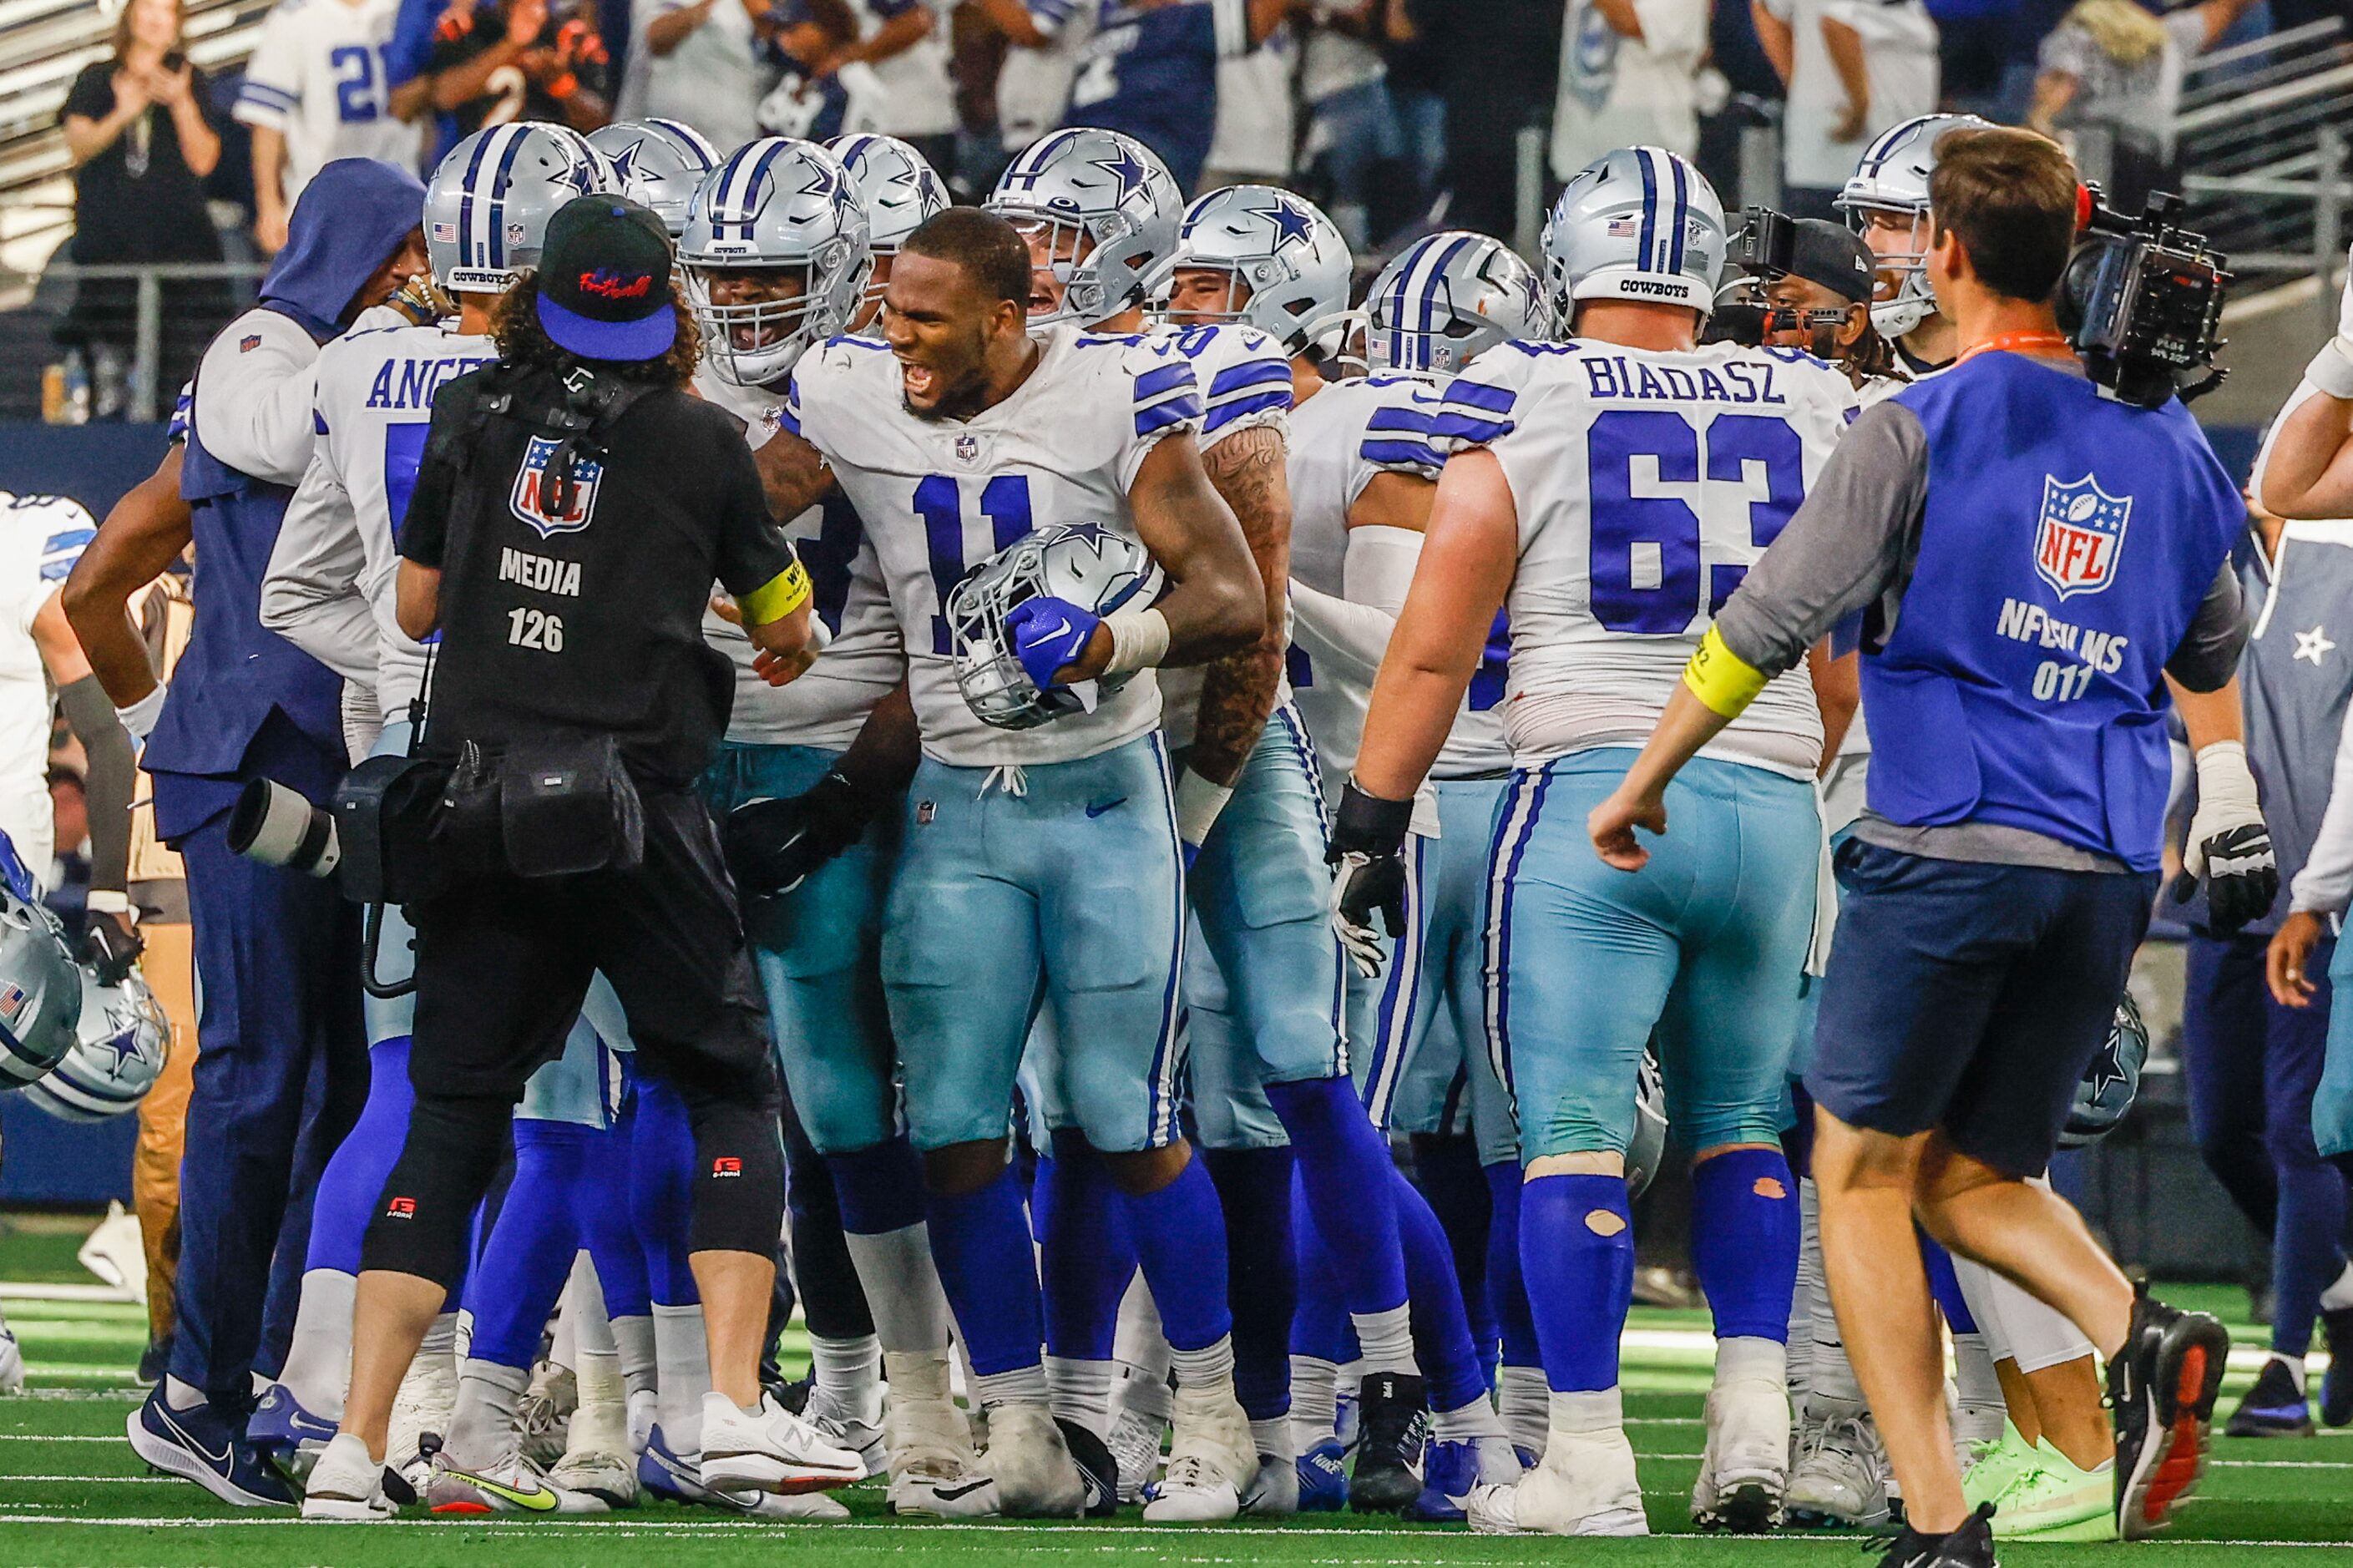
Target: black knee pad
(454, 1148)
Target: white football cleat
(345, 1484)
(861, 1433)
(1036, 1477)
(933, 1467)
(1274, 1492)
(1586, 1486)
(12, 1363)
(543, 1415)
(426, 1402)
(1745, 1469)
(769, 1450)
(611, 1478)
(1841, 1479)
(1211, 1458)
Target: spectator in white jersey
(318, 88)
(1628, 76)
(703, 63)
(1853, 68)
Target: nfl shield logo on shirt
(967, 449)
(533, 504)
(2078, 535)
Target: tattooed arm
(1248, 469)
(793, 473)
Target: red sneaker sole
(2185, 1444)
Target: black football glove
(1368, 846)
(111, 947)
(2229, 848)
(772, 846)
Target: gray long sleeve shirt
(1852, 546)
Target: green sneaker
(2057, 1502)
(1996, 1467)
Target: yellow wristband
(777, 597)
(1721, 679)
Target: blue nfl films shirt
(1151, 71)
(2065, 545)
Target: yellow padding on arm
(777, 597)
(1721, 679)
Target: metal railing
(137, 328)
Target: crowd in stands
(1390, 113)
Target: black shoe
(2161, 1389)
(2336, 1382)
(2273, 1407)
(1098, 1471)
(1391, 1415)
(1971, 1546)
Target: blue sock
(1946, 1286)
(1577, 1253)
(1262, 1272)
(1343, 1164)
(1504, 1285)
(1180, 1237)
(1442, 1345)
(1744, 1225)
(880, 1187)
(1085, 1257)
(1446, 1170)
(1320, 1326)
(600, 1215)
(661, 1190)
(354, 1175)
(529, 1255)
(980, 1242)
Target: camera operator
(2015, 637)
(573, 508)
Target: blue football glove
(1049, 633)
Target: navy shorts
(1970, 996)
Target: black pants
(502, 963)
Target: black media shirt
(589, 621)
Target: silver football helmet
(1107, 207)
(1640, 224)
(1448, 296)
(1647, 1151)
(487, 206)
(1278, 250)
(774, 204)
(40, 990)
(2105, 1092)
(117, 1055)
(1893, 178)
(658, 162)
(1084, 563)
(898, 189)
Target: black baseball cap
(1834, 257)
(604, 280)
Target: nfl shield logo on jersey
(534, 505)
(2078, 535)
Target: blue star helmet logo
(624, 161)
(821, 183)
(124, 1043)
(1290, 222)
(580, 174)
(1094, 533)
(1125, 167)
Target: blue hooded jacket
(234, 675)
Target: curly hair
(514, 327)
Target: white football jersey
(374, 405)
(940, 497)
(1245, 382)
(828, 703)
(1647, 484)
(317, 78)
(41, 537)
(1340, 439)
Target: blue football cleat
(285, 1434)
(1323, 1478)
(1449, 1469)
(201, 1446)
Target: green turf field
(72, 1495)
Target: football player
(1886, 201)
(898, 191)
(1363, 475)
(775, 248)
(1041, 868)
(1550, 506)
(661, 163)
